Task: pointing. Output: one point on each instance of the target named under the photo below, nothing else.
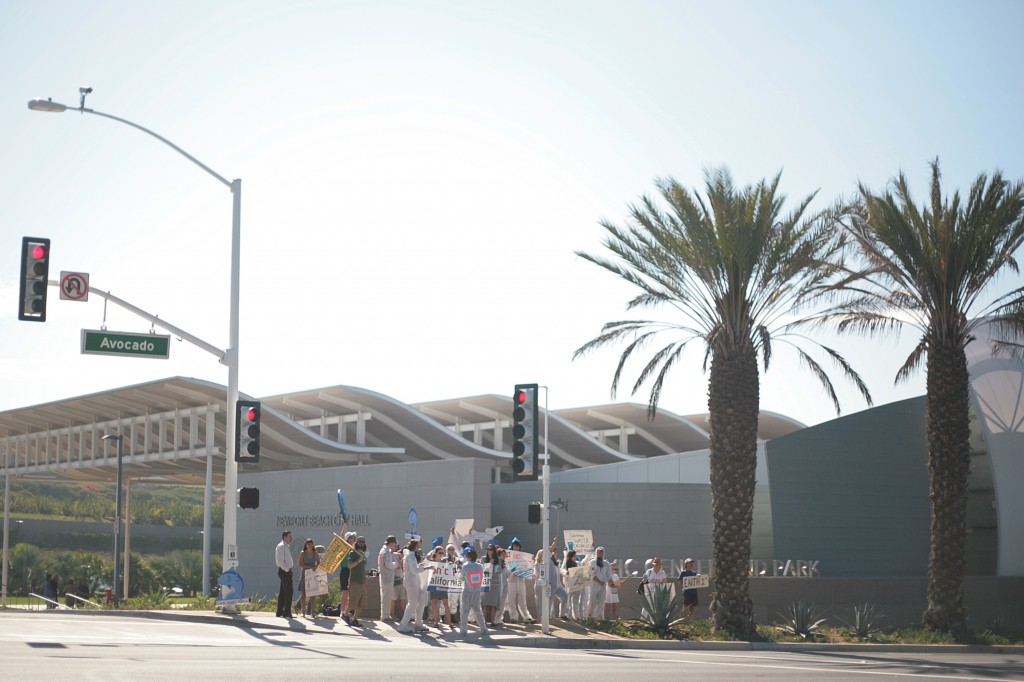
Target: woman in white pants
(415, 590)
(517, 608)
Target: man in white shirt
(599, 584)
(283, 558)
(388, 561)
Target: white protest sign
(463, 526)
(316, 582)
(691, 582)
(580, 540)
(578, 577)
(521, 563)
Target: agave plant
(661, 608)
(865, 620)
(801, 619)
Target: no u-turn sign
(74, 286)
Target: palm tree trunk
(733, 403)
(947, 407)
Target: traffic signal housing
(525, 450)
(247, 431)
(249, 498)
(35, 270)
(533, 513)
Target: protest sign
(578, 577)
(580, 540)
(520, 563)
(694, 581)
(463, 526)
(335, 553)
(316, 582)
(444, 577)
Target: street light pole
(230, 557)
(117, 507)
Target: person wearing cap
(689, 594)
(388, 563)
(599, 584)
(356, 561)
(517, 608)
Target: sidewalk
(564, 634)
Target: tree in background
(737, 274)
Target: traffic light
(524, 433)
(533, 514)
(35, 269)
(247, 431)
(249, 498)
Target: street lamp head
(112, 436)
(46, 105)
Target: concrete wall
(853, 493)
(377, 497)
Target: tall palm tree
(737, 274)
(929, 268)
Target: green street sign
(121, 343)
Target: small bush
(661, 608)
(801, 619)
(865, 621)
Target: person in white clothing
(599, 584)
(654, 579)
(517, 608)
(284, 561)
(388, 561)
(415, 565)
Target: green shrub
(661, 608)
(865, 621)
(801, 619)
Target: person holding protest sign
(343, 574)
(454, 598)
(690, 594)
(388, 562)
(599, 584)
(308, 561)
(492, 598)
(356, 562)
(576, 602)
(415, 565)
(439, 598)
(517, 608)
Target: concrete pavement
(564, 634)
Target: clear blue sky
(416, 172)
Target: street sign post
(97, 342)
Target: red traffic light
(251, 414)
(39, 252)
(520, 397)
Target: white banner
(447, 578)
(316, 582)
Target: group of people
(656, 578)
(405, 598)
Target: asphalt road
(56, 646)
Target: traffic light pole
(230, 356)
(545, 616)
